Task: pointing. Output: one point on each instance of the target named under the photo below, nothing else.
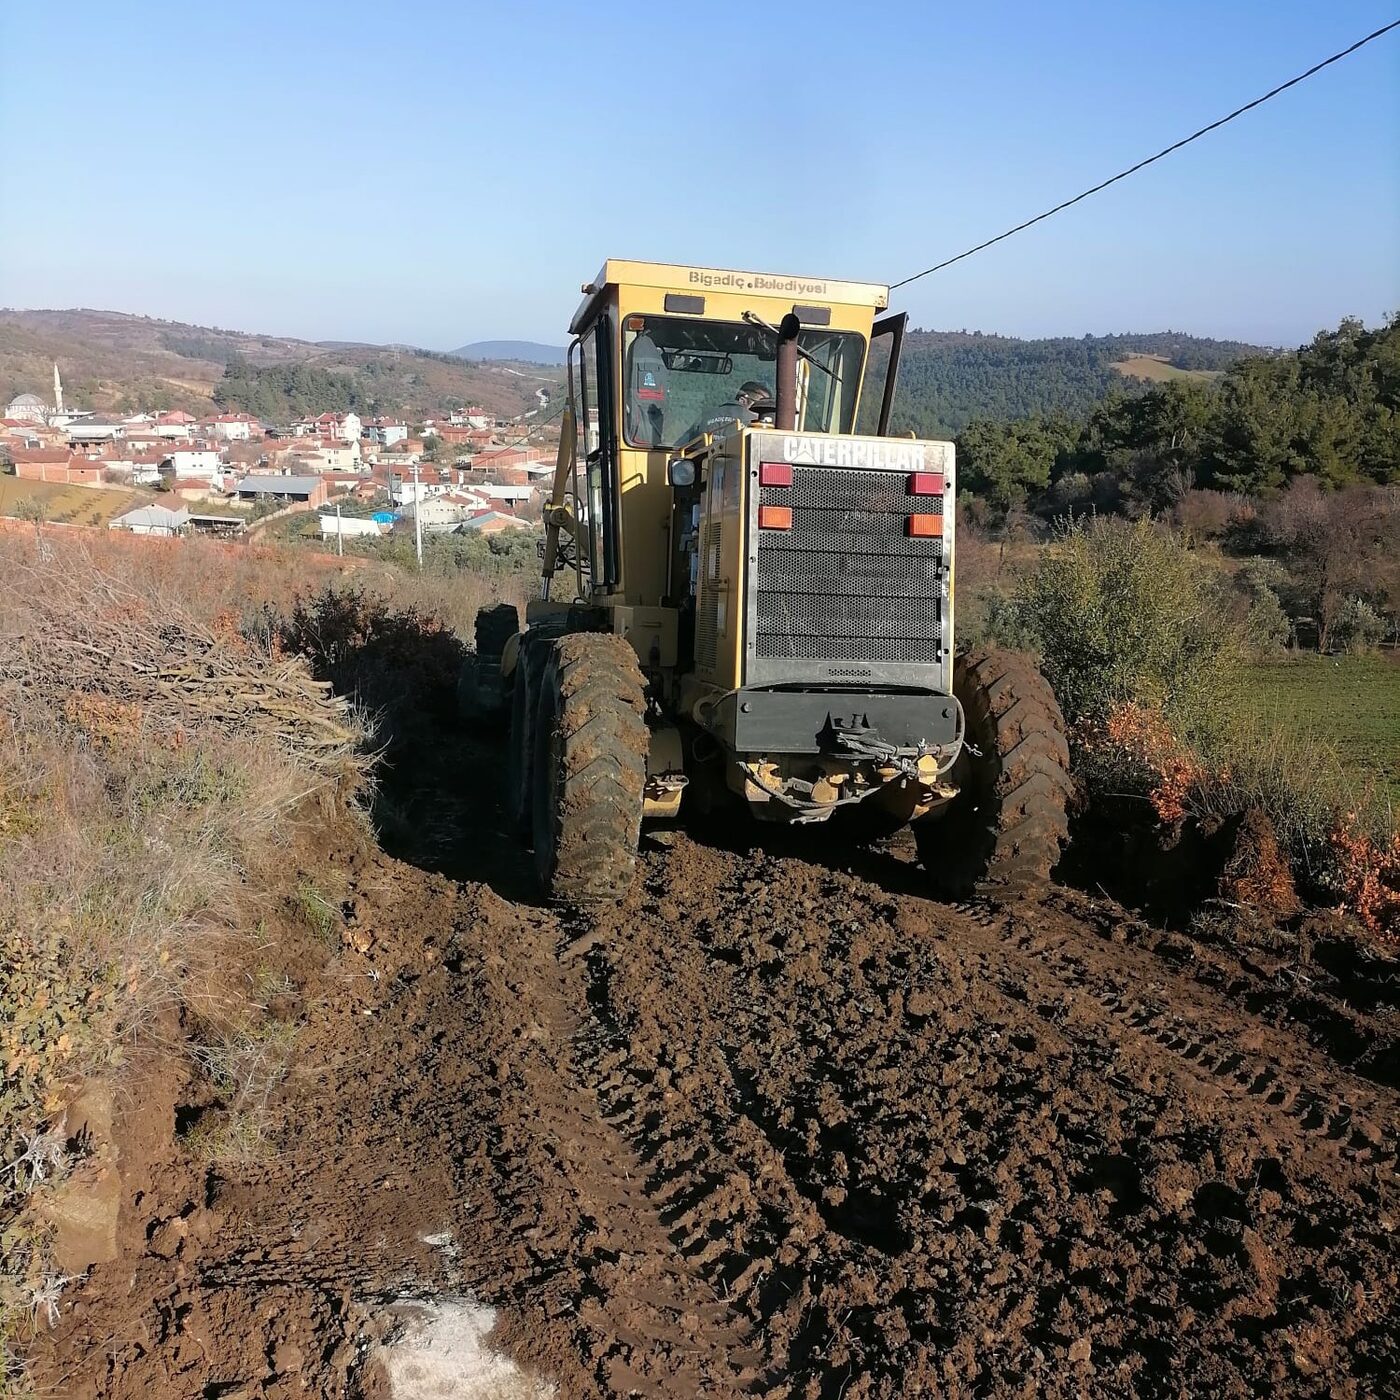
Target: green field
(1352, 701)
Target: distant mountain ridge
(948, 378)
(530, 351)
(115, 360)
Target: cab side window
(597, 450)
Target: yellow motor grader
(746, 599)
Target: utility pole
(418, 517)
(339, 538)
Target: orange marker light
(926, 483)
(924, 527)
(774, 474)
(776, 517)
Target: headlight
(680, 471)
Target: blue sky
(436, 172)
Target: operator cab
(681, 373)
(659, 376)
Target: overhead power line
(1166, 151)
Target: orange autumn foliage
(1143, 737)
(1369, 873)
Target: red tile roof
(43, 454)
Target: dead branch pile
(70, 630)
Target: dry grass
(1159, 370)
(164, 733)
(153, 760)
(69, 505)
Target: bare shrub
(1338, 546)
(1207, 515)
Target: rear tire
(495, 626)
(1002, 834)
(590, 767)
(520, 752)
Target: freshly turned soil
(778, 1125)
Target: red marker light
(924, 527)
(926, 483)
(774, 474)
(775, 517)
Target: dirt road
(779, 1128)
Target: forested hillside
(951, 378)
(1330, 411)
(110, 360)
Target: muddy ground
(781, 1125)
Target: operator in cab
(735, 412)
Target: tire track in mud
(1347, 1116)
(645, 1320)
(445, 1133)
(906, 1162)
(767, 1129)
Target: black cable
(1176, 146)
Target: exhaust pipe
(785, 418)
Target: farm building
(303, 490)
(152, 520)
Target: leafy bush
(1125, 613)
(1266, 624)
(1142, 640)
(1359, 627)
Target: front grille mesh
(707, 614)
(846, 582)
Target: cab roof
(696, 281)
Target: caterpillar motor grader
(746, 599)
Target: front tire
(590, 765)
(1001, 836)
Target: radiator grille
(707, 611)
(846, 582)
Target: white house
(345, 426)
(327, 455)
(518, 494)
(192, 461)
(442, 512)
(153, 520)
(232, 427)
(386, 431)
(401, 493)
(96, 430)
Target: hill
(528, 351)
(111, 360)
(951, 378)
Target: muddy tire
(589, 769)
(1002, 835)
(520, 751)
(495, 626)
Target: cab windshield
(683, 377)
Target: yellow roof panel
(677, 277)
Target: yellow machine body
(661, 502)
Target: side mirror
(680, 471)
